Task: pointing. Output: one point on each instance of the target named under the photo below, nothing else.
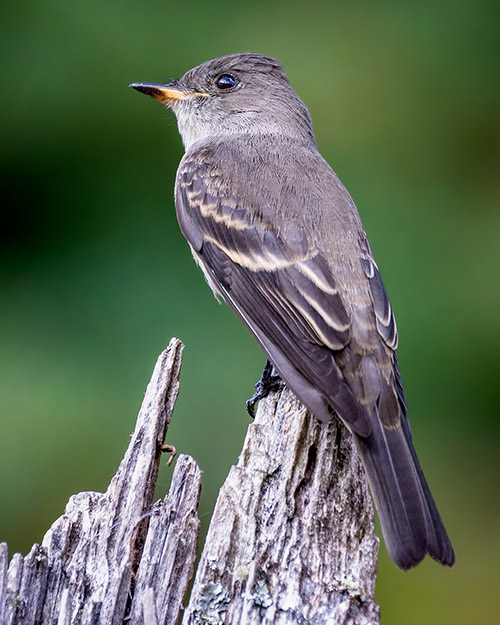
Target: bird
(280, 240)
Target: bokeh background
(95, 276)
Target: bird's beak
(166, 94)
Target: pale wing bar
(271, 315)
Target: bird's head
(231, 95)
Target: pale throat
(195, 124)
(190, 128)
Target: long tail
(410, 521)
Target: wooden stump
(291, 540)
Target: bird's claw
(268, 383)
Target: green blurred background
(96, 277)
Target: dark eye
(226, 81)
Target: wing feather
(284, 293)
(386, 323)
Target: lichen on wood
(292, 536)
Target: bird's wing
(282, 290)
(285, 293)
(384, 315)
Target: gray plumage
(280, 240)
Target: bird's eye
(226, 81)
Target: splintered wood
(291, 540)
(292, 536)
(93, 557)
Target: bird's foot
(268, 383)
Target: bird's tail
(409, 518)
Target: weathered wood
(164, 571)
(85, 569)
(291, 541)
(292, 538)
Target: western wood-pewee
(280, 240)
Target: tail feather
(409, 518)
(439, 545)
